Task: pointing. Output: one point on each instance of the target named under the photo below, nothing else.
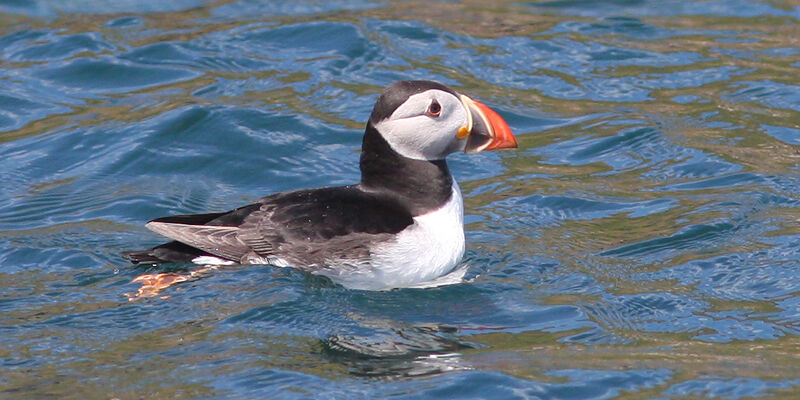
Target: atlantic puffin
(401, 226)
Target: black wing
(297, 226)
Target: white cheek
(423, 137)
(409, 136)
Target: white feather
(414, 134)
(211, 260)
(428, 249)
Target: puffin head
(426, 120)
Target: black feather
(170, 252)
(312, 227)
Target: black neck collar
(419, 185)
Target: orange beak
(486, 129)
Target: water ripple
(103, 76)
(642, 241)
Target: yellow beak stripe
(464, 131)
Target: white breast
(426, 250)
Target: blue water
(643, 241)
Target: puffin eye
(434, 109)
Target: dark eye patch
(434, 109)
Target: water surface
(643, 241)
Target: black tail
(171, 252)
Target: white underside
(211, 260)
(422, 255)
(427, 250)
(451, 278)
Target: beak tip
(504, 140)
(495, 128)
